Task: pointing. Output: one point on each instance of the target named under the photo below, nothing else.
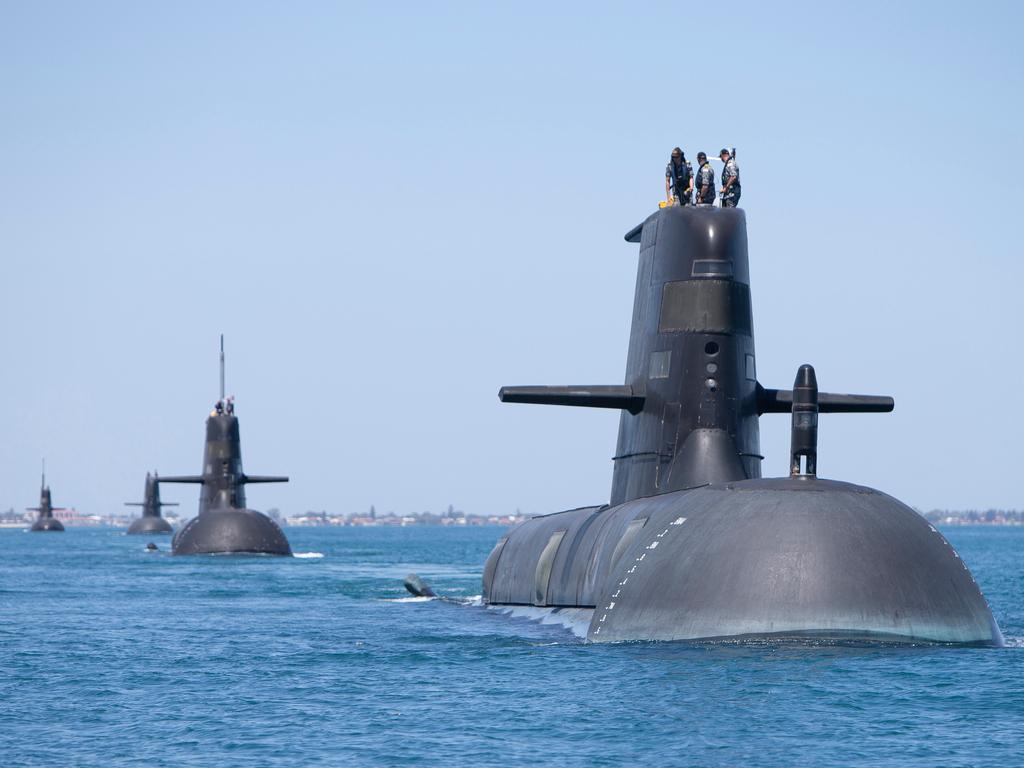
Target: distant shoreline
(25, 524)
(452, 519)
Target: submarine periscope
(694, 544)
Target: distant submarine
(46, 521)
(150, 521)
(224, 525)
(694, 544)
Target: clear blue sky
(393, 209)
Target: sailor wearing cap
(730, 180)
(705, 181)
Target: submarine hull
(149, 524)
(774, 558)
(47, 525)
(791, 557)
(230, 531)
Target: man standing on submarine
(705, 181)
(730, 180)
(678, 178)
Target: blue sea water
(110, 655)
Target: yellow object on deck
(667, 203)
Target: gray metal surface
(778, 557)
(47, 524)
(148, 524)
(514, 564)
(230, 531)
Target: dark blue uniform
(679, 177)
(705, 178)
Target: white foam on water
(408, 599)
(1013, 642)
(308, 555)
(576, 620)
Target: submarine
(150, 521)
(46, 521)
(694, 545)
(224, 524)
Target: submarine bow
(694, 545)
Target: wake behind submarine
(694, 545)
(224, 525)
(46, 522)
(151, 520)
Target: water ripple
(111, 656)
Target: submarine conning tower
(224, 523)
(691, 401)
(224, 482)
(691, 357)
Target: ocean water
(110, 655)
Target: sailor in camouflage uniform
(730, 180)
(705, 181)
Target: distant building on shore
(451, 517)
(975, 517)
(12, 518)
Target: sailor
(730, 180)
(705, 181)
(219, 408)
(678, 178)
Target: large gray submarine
(150, 521)
(224, 524)
(694, 545)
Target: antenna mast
(222, 367)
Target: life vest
(680, 175)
